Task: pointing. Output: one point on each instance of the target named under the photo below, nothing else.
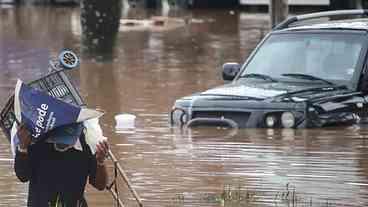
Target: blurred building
(39, 1)
(308, 5)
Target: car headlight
(270, 121)
(178, 116)
(287, 119)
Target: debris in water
(125, 121)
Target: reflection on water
(150, 69)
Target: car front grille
(240, 118)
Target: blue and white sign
(44, 114)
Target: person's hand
(24, 137)
(102, 150)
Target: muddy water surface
(152, 67)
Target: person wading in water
(57, 175)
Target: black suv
(304, 73)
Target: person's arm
(22, 164)
(100, 179)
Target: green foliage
(242, 197)
(236, 196)
(172, 2)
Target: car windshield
(308, 57)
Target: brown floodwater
(152, 67)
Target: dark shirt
(51, 173)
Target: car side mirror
(230, 70)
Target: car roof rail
(291, 20)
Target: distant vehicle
(303, 74)
(290, 2)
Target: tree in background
(100, 22)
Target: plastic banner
(43, 114)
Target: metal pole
(126, 179)
(279, 11)
(358, 4)
(116, 197)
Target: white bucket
(125, 121)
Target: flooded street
(151, 67)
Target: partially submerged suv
(303, 74)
